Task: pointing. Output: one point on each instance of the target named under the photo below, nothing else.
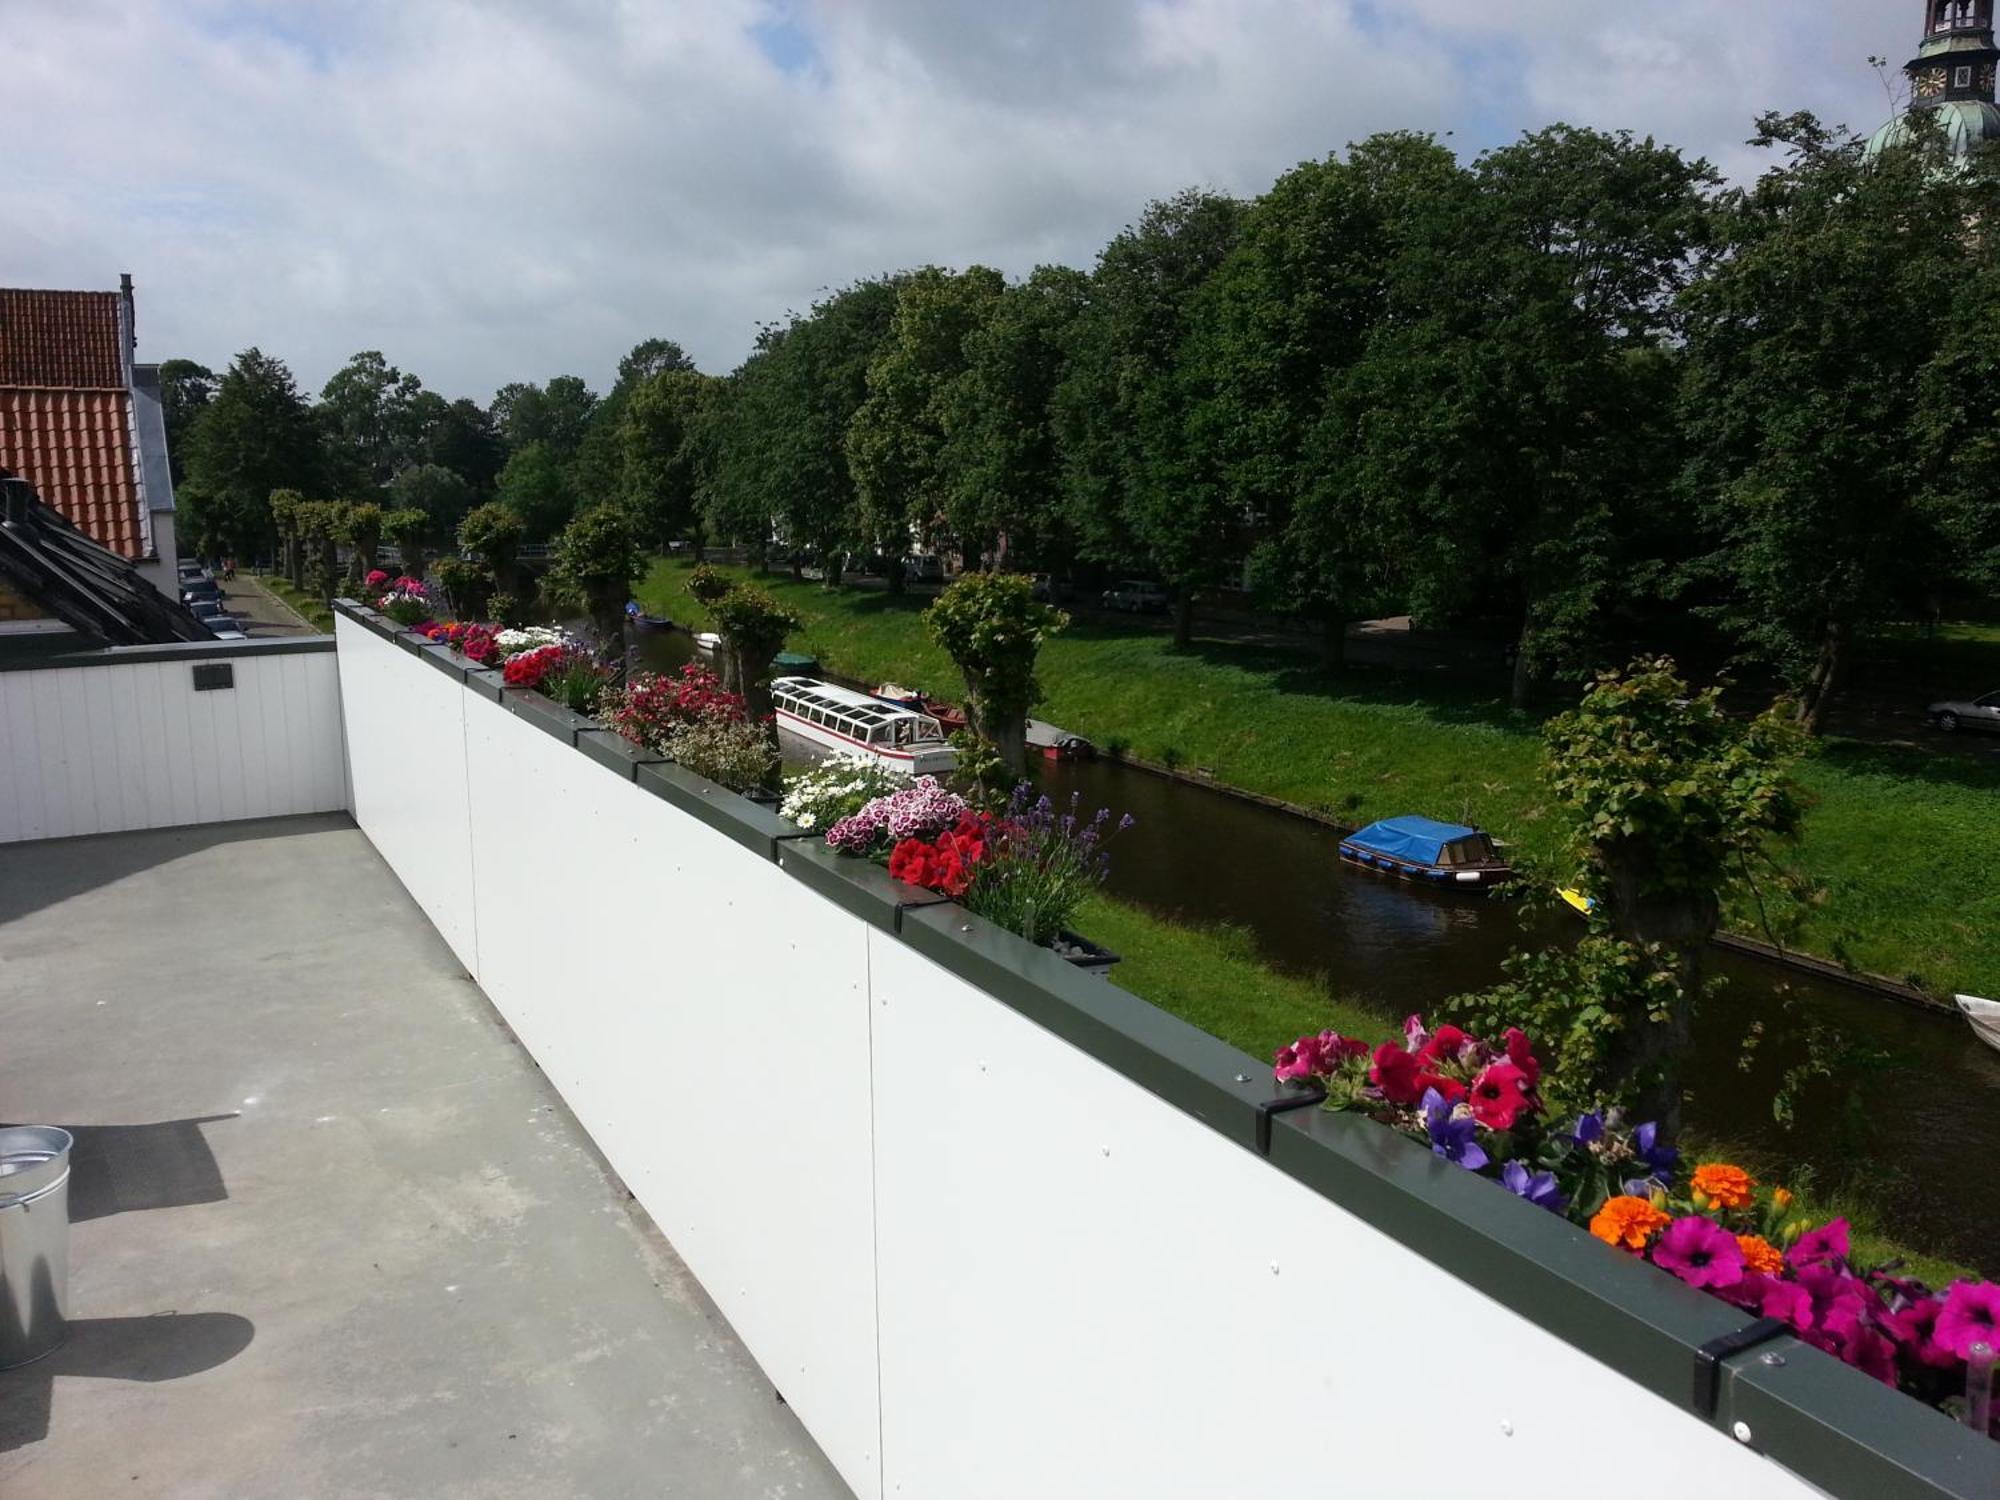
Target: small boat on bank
(1577, 902)
(1985, 1018)
(950, 715)
(1428, 852)
(1052, 743)
(640, 620)
(707, 640)
(838, 718)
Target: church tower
(1954, 74)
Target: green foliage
(442, 496)
(256, 436)
(493, 534)
(186, 389)
(1578, 1004)
(369, 416)
(1827, 363)
(755, 624)
(992, 627)
(1667, 796)
(667, 452)
(536, 486)
(556, 416)
(708, 585)
(739, 755)
(597, 559)
(896, 439)
(408, 531)
(467, 586)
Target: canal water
(1915, 1130)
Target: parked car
(229, 634)
(924, 567)
(212, 614)
(1967, 713)
(196, 593)
(1052, 590)
(1139, 596)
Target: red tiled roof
(75, 448)
(67, 339)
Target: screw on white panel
(1106, 1150)
(1742, 1431)
(1773, 1360)
(1274, 1268)
(1506, 1428)
(1242, 1077)
(966, 928)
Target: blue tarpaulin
(1416, 841)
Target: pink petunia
(1699, 1251)
(1971, 1311)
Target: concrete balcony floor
(332, 1232)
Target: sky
(499, 190)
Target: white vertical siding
(128, 743)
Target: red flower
(1500, 1096)
(1449, 1089)
(1444, 1045)
(1396, 1074)
(1521, 1053)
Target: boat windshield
(1476, 849)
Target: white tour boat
(900, 738)
(1984, 1016)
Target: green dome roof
(1968, 123)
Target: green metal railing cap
(1163, 1054)
(754, 827)
(610, 748)
(858, 886)
(546, 714)
(445, 660)
(490, 685)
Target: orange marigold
(1759, 1254)
(1724, 1186)
(1628, 1222)
(1782, 1197)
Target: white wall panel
(130, 744)
(405, 736)
(1087, 1292)
(681, 991)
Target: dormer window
(1959, 15)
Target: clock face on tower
(1929, 83)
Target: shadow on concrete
(119, 1169)
(167, 1346)
(43, 872)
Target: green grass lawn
(1904, 844)
(316, 611)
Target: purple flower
(1539, 1188)
(1662, 1159)
(1826, 1243)
(1589, 1128)
(1699, 1251)
(1971, 1312)
(1452, 1134)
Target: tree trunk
(831, 577)
(414, 561)
(895, 575)
(1008, 735)
(1522, 693)
(1648, 1052)
(1183, 618)
(1825, 679)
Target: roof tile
(67, 339)
(75, 448)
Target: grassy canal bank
(1902, 844)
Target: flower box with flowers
(407, 601)
(1476, 1103)
(1027, 868)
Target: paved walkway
(263, 612)
(333, 1234)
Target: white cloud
(490, 190)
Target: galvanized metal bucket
(34, 1242)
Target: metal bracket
(1269, 1109)
(903, 906)
(1709, 1357)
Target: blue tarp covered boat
(1425, 850)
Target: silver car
(1971, 713)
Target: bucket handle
(22, 1200)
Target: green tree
(1807, 403)
(1670, 804)
(365, 410)
(1139, 490)
(442, 495)
(1000, 466)
(491, 535)
(285, 525)
(753, 627)
(461, 437)
(186, 389)
(557, 415)
(896, 442)
(361, 529)
(409, 531)
(667, 453)
(596, 559)
(256, 436)
(992, 627)
(535, 485)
